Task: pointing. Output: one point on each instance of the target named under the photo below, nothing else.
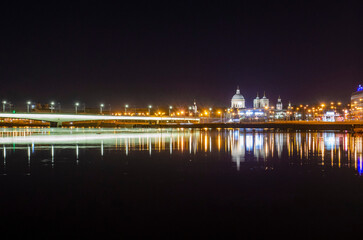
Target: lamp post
(101, 106)
(4, 103)
(126, 106)
(170, 107)
(150, 109)
(28, 106)
(51, 106)
(210, 112)
(76, 106)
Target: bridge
(56, 119)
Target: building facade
(238, 101)
(264, 102)
(356, 103)
(256, 102)
(279, 104)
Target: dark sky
(170, 52)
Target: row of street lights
(52, 104)
(77, 104)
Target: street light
(126, 106)
(28, 106)
(76, 106)
(4, 103)
(170, 107)
(150, 109)
(220, 113)
(51, 106)
(101, 106)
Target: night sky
(170, 52)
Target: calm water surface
(181, 182)
(32, 149)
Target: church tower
(264, 102)
(256, 102)
(279, 104)
(289, 106)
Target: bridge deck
(83, 117)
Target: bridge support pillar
(55, 124)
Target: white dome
(238, 96)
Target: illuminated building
(256, 102)
(252, 114)
(279, 104)
(261, 102)
(238, 101)
(195, 108)
(264, 102)
(356, 101)
(279, 112)
(330, 116)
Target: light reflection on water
(327, 149)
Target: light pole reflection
(28, 160)
(102, 148)
(127, 147)
(150, 147)
(77, 154)
(52, 153)
(4, 154)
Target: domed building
(238, 101)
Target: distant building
(261, 110)
(356, 103)
(195, 108)
(238, 101)
(279, 104)
(261, 102)
(256, 102)
(264, 102)
(280, 113)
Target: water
(181, 182)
